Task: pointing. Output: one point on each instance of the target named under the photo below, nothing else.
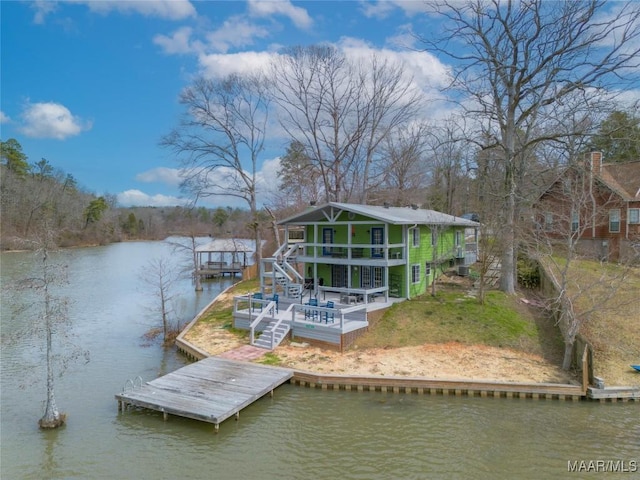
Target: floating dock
(210, 390)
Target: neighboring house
(361, 257)
(599, 203)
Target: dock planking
(210, 390)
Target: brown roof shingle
(623, 178)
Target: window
(614, 221)
(415, 273)
(415, 237)
(458, 238)
(434, 237)
(548, 221)
(634, 215)
(427, 269)
(296, 236)
(575, 221)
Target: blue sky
(93, 85)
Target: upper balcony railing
(354, 251)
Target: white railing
(277, 324)
(268, 309)
(354, 251)
(365, 293)
(314, 311)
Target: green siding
(361, 234)
(425, 254)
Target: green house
(367, 253)
(340, 261)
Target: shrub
(528, 273)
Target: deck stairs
(280, 275)
(272, 336)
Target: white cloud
(168, 176)
(427, 71)
(235, 32)
(137, 198)
(268, 181)
(42, 8)
(220, 65)
(51, 120)
(403, 39)
(167, 9)
(383, 8)
(4, 118)
(177, 43)
(298, 15)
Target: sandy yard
(441, 361)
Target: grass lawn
(221, 315)
(453, 316)
(614, 328)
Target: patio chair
(274, 298)
(254, 305)
(329, 315)
(311, 313)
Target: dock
(220, 269)
(210, 390)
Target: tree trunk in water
(52, 418)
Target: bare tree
(564, 214)
(54, 309)
(220, 139)
(341, 112)
(188, 248)
(449, 159)
(402, 169)
(521, 59)
(390, 103)
(160, 276)
(49, 312)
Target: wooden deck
(210, 390)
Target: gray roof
(228, 245)
(392, 215)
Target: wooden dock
(210, 390)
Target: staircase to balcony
(279, 275)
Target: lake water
(298, 434)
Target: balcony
(353, 254)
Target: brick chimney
(595, 162)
